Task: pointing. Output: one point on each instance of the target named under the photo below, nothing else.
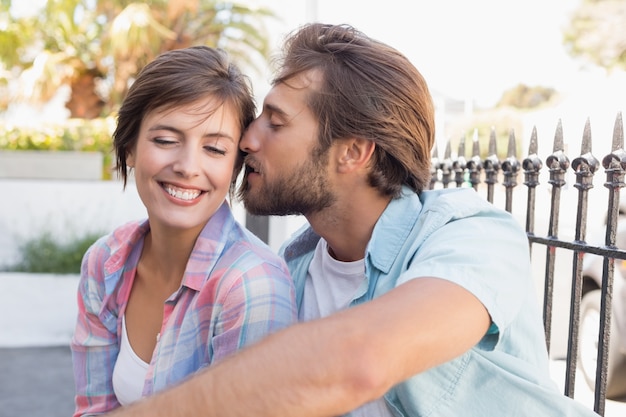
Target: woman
(161, 298)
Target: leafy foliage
(525, 97)
(97, 47)
(596, 33)
(93, 135)
(478, 127)
(45, 254)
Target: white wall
(40, 309)
(71, 209)
(37, 309)
(65, 208)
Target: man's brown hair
(368, 90)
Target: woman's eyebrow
(165, 127)
(218, 134)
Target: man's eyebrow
(275, 109)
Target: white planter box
(37, 309)
(68, 165)
(68, 209)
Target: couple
(409, 302)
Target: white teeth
(182, 194)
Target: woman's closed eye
(215, 150)
(164, 141)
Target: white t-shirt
(330, 286)
(129, 373)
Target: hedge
(73, 135)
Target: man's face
(286, 172)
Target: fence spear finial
(585, 148)
(618, 133)
(586, 162)
(492, 141)
(558, 161)
(558, 138)
(475, 144)
(447, 153)
(533, 147)
(512, 150)
(461, 150)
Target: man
(412, 302)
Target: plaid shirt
(235, 291)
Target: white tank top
(330, 286)
(129, 373)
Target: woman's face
(183, 162)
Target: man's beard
(304, 191)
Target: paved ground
(36, 382)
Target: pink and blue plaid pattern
(234, 292)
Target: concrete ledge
(69, 165)
(37, 309)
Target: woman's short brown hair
(176, 78)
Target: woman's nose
(187, 163)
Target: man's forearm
(269, 379)
(330, 366)
(186, 399)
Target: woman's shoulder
(253, 248)
(117, 244)
(123, 235)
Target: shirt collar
(392, 229)
(206, 252)
(208, 248)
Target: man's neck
(347, 226)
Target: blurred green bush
(45, 254)
(72, 135)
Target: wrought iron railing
(483, 173)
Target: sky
(466, 49)
(470, 50)
(475, 50)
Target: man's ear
(355, 153)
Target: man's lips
(252, 168)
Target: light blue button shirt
(457, 235)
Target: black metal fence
(483, 174)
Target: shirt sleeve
(257, 298)
(94, 344)
(488, 255)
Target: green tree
(524, 97)
(96, 47)
(596, 33)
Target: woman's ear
(130, 160)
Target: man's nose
(250, 139)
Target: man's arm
(330, 366)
